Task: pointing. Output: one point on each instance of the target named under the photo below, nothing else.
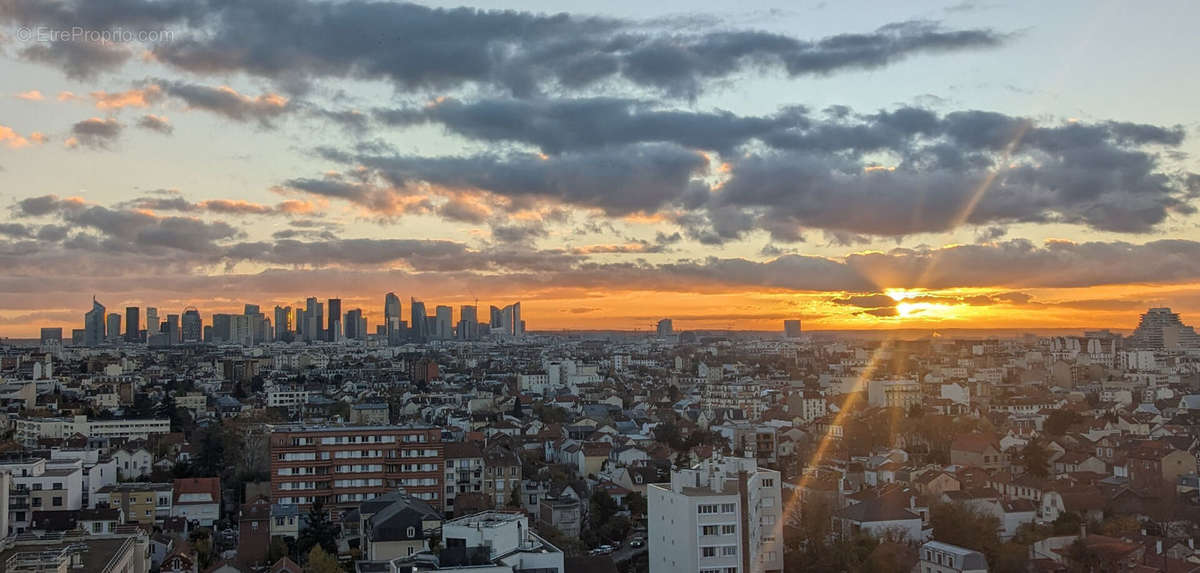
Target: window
(728, 529)
(728, 550)
(56, 501)
(708, 551)
(768, 482)
(728, 507)
(97, 527)
(412, 532)
(708, 530)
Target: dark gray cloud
(623, 180)
(417, 47)
(78, 59)
(793, 171)
(95, 133)
(131, 231)
(156, 123)
(227, 102)
(556, 125)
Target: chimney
(1158, 547)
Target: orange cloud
(31, 95)
(132, 98)
(13, 140)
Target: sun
(899, 294)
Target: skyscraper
(335, 319)
(356, 325)
(93, 324)
(52, 339)
(172, 329)
(392, 316)
(666, 328)
(133, 324)
(222, 327)
(192, 328)
(112, 328)
(152, 324)
(444, 322)
(494, 316)
(468, 323)
(506, 321)
(283, 321)
(420, 328)
(518, 324)
(791, 328)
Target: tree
(602, 507)
(514, 499)
(1036, 459)
(278, 549)
(1059, 421)
(170, 410)
(319, 531)
(210, 462)
(320, 561)
(636, 503)
(965, 526)
(516, 409)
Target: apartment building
(502, 474)
(938, 557)
(37, 484)
(464, 471)
(344, 465)
(144, 503)
(722, 516)
(29, 430)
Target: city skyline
(729, 172)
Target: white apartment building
(98, 471)
(37, 485)
(511, 546)
(722, 516)
(286, 398)
(893, 393)
(30, 430)
(938, 557)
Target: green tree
(965, 526)
(170, 410)
(1059, 421)
(601, 507)
(210, 461)
(278, 550)
(516, 409)
(318, 531)
(321, 561)
(1036, 459)
(636, 504)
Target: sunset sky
(856, 165)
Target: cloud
(227, 102)
(423, 48)
(139, 97)
(556, 125)
(95, 133)
(78, 59)
(31, 95)
(13, 140)
(157, 123)
(129, 231)
(176, 202)
(619, 181)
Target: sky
(856, 165)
